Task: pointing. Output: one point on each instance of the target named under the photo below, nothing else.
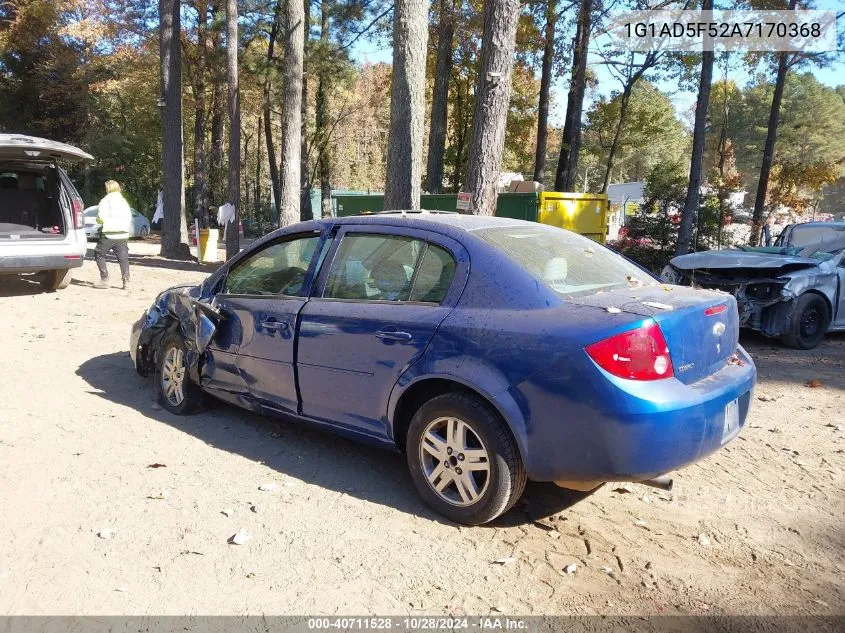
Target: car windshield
(816, 240)
(568, 263)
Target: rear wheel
(809, 322)
(56, 279)
(463, 459)
(176, 392)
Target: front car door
(376, 307)
(260, 300)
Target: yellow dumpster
(584, 213)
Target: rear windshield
(568, 263)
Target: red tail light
(712, 310)
(639, 354)
(78, 218)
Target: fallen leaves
(157, 465)
(814, 384)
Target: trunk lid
(34, 149)
(701, 327)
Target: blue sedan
(491, 351)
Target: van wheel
(809, 322)
(56, 279)
(463, 459)
(176, 392)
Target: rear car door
(378, 304)
(260, 300)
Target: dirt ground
(758, 528)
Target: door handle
(393, 336)
(273, 324)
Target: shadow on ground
(154, 261)
(300, 451)
(777, 362)
(20, 286)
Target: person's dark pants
(121, 251)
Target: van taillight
(640, 354)
(78, 218)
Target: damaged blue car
(490, 351)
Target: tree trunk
(217, 74)
(461, 103)
(691, 204)
(174, 229)
(232, 233)
(769, 150)
(200, 176)
(257, 205)
(440, 98)
(614, 146)
(545, 86)
(567, 167)
(268, 125)
(321, 121)
(305, 211)
(492, 98)
(292, 28)
(407, 106)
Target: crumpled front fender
(177, 309)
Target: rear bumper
(636, 430)
(37, 263)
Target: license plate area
(731, 426)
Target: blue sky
(682, 98)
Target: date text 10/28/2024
(484, 623)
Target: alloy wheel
(173, 376)
(455, 461)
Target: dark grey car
(794, 290)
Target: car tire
(174, 388)
(143, 233)
(808, 323)
(53, 280)
(439, 458)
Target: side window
(373, 267)
(277, 269)
(434, 276)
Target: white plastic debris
(107, 533)
(240, 538)
(613, 310)
(607, 570)
(505, 561)
(703, 540)
(658, 306)
(640, 522)
(121, 589)
(570, 569)
(268, 487)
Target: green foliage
(652, 135)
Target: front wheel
(56, 279)
(176, 392)
(809, 322)
(143, 233)
(463, 459)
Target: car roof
(447, 223)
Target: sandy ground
(758, 528)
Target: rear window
(568, 263)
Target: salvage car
(491, 351)
(41, 222)
(794, 290)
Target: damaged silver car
(794, 290)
